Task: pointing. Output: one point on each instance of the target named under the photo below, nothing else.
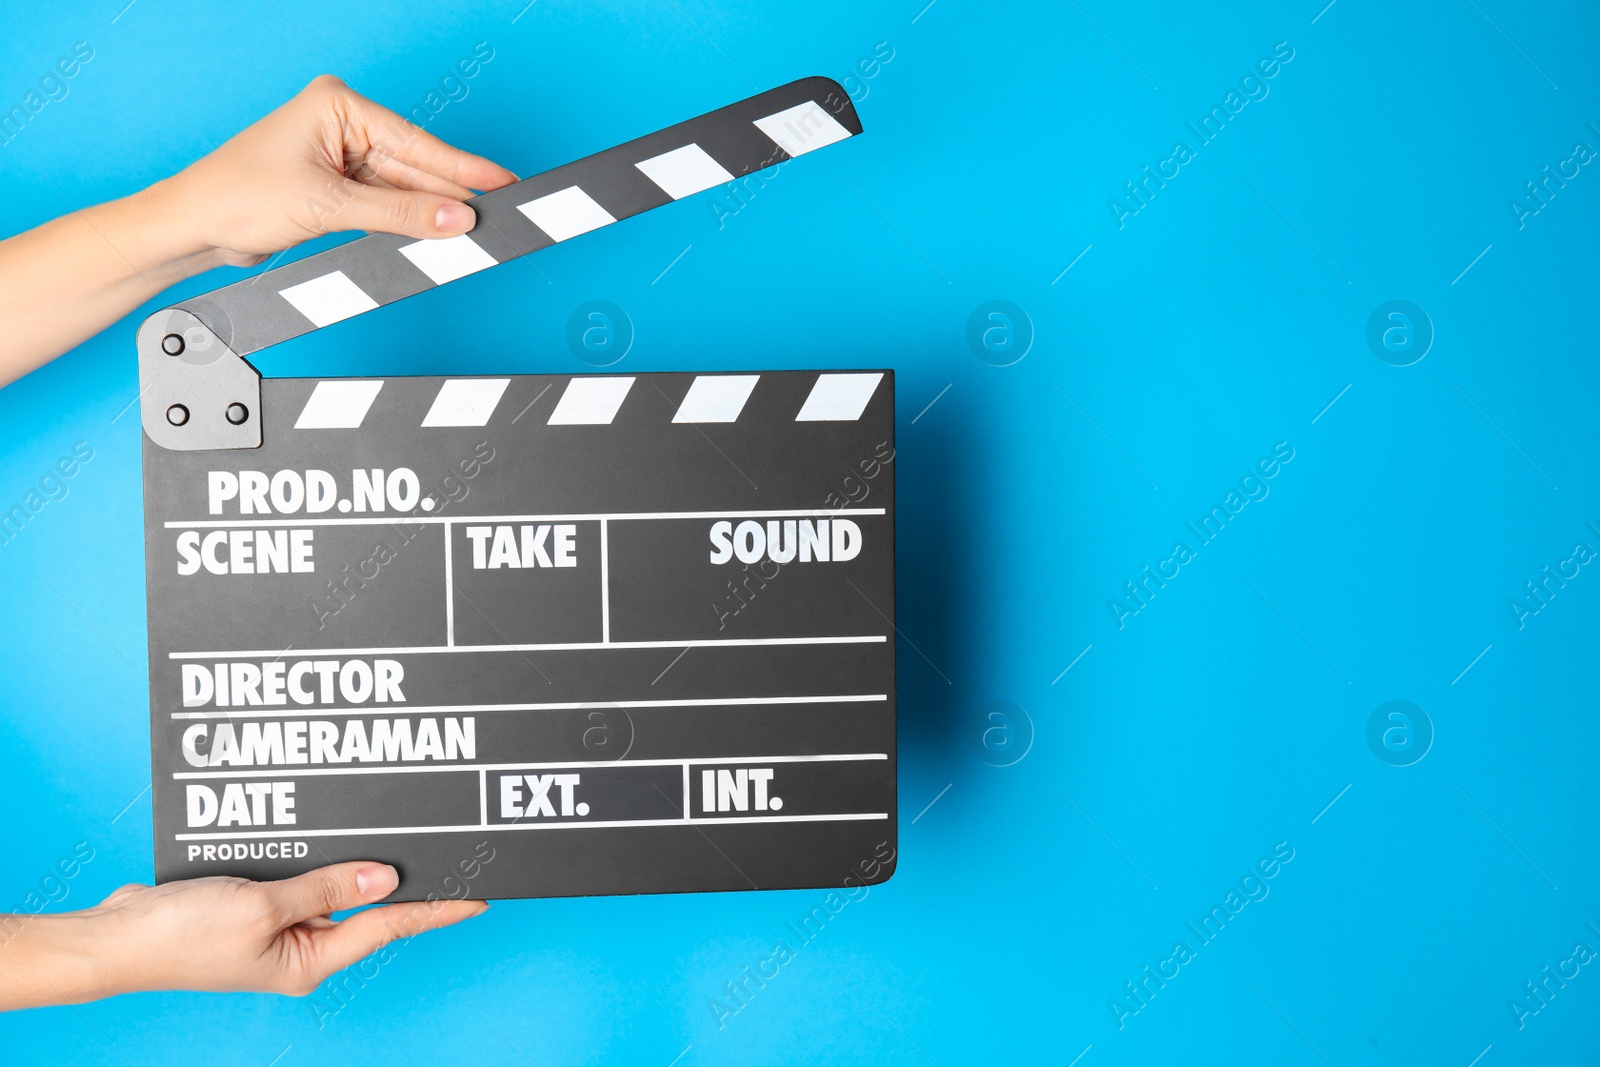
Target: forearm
(67, 280)
(52, 959)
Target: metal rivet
(237, 413)
(172, 345)
(177, 414)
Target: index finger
(359, 936)
(400, 140)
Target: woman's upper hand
(328, 160)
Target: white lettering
(221, 486)
(247, 552)
(823, 540)
(721, 541)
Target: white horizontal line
(474, 828)
(414, 520)
(299, 771)
(563, 705)
(421, 650)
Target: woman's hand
(215, 934)
(327, 160)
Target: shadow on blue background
(1173, 748)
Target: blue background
(1183, 745)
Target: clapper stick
(199, 392)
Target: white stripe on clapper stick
(328, 299)
(566, 213)
(466, 402)
(338, 405)
(716, 398)
(448, 258)
(684, 171)
(838, 397)
(590, 401)
(802, 128)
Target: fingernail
(454, 218)
(377, 882)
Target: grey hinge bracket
(195, 392)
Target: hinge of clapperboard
(200, 393)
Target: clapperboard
(539, 635)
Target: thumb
(330, 889)
(406, 212)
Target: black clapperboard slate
(537, 635)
